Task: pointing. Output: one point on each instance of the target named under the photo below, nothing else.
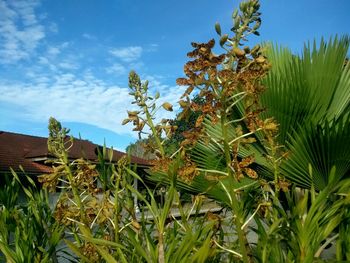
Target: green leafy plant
(28, 231)
(308, 95)
(264, 144)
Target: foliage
(234, 152)
(309, 96)
(28, 231)
(107, 227)
(185, 122)
(143, 147)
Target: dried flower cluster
(227, 83)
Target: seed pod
(141, 125)
(237, 22)
(183, 104)
(260, 59)
(223, 39)
(255, 49)
(246, 49)
(134, 79)
(136, 225)
(218, 28)
(238, 52)
(133, 113)
(243, 6)
(167, 106)
(269, 124)
(126, 121)
(266, 67)
(141, 104)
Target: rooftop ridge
(24, 148)
(22, 134)
(46, 137)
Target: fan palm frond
(322, 146)
(309, 96)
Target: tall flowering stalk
(225, 82)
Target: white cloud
(43, 60)
(117, 69)
(88, 36)
(26, 10)
(69, 65)
(20, 31)
(57, 58)
(167, 93)
(127, 54)
(72, 99)
(53, 51)
(53, 27)
(42, 80)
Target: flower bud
(238, 52)
(234, 14)
(126, 121)
(133, 113)
(255, 49)
(183, 104)
(157, 95)
(246, 49)
(167, 106)
(218, 28)
(260, 59)
(223, 39)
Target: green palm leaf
(322, 146)
(309, 96)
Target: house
(31, 153)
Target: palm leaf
(323, 146)
(309, 96)
(300, 89)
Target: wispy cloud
(88, 36)
(20, 30)
(57, 82)
(71, 99)
(68, 65)
(127, 54)
(117, 69)
(53, 51)
(56, 57)
(152, 48)
(53, 27)
(85, 99)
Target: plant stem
(116, 207)
(154, 132)
(74, 188)
(161, 258)
(234, 204)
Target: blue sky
(70, 58)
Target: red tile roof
(25, 150)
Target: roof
(30, 151)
